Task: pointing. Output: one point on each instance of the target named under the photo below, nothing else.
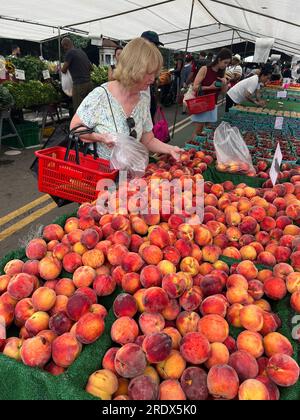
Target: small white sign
(46, 74)
(20, 74)
(275, 168)
(279, 123)
(282, 94)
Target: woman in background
(112, 68)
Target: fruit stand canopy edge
(213, 24)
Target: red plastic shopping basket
(201, 104)
(66, 179)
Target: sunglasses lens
(131, 123)
(133, 134)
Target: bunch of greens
(99, 75)
(6, 99)
(33, 93)
(32, 66)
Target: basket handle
(74, 138)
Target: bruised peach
(194, 384)
(223, 382)
(155, 300)
(77, 306)
(130, 361)
(195, 348)
(151, 323)
(60, 324)
(175, 336)
(191, 299)
(143, 388)
(36, 352)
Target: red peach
(65, 287)
(125, 305)
(60, 323)
(282, 270)
(171, 312)
(214, 328)
(38, 322)
(54, 370)
(214, 305)
(20, 286)
(248, 270)
(104, 285)
(65, 350)
(89, 328)
(187, 322)
(244, 364)
(283, 370)
(77, 306)
(23, 311)
(275, 288)
(36, 249)
(124, 330)
(152, 255)
(99, 310)
(93, 258)
(131, 283)
(191, 299)
(155, 300)
(223, 382)
(252, 343)
(108, 361)
(151, 277)
(36, 352)
(31, 267)
(151, 323)
(251, 317)
(13, 267)
(130, 361)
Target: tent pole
(41, 49)
(186, 50)
(59, 49)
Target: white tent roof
(215, 22)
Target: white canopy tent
(215, 23)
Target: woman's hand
(175, 152)
(107, 139)
(223, 80)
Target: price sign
(46, 74)
(20, 74)
(275, 168)
(282, 95)
(279, 123)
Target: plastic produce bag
(190, 94)
(232, 153)
(129, 155)
(67, 83)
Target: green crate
(28, 131)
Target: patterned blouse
(95, 113)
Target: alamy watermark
(184, 197)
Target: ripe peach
(248, 253)
(187, 322)
(171, 312)
(223, 382)
(251, 317)
(130, 361)
(53, 232)
(93, 258)
(151, 277)
(237, 295)
(155, 300)
(60, 323)
(89, 328)
(276, 343)
(195, 348)
(151, 372)
(172, 254)
(108, 361)
(211, 285)
(172, 367)
(170, 390)
(99, 310)
(77, 306)
(72, 261)
(72, 223)
(252, 343)
(54, 370)
(232, 252)
(13, 267)
(233, 315)
(36, 249)
(36, 352)
(159, 237)
(214, 305)
(263, 238)
(174, 285)
(104, 285)
(248, 226)
(12, 348)
(60, 251)
(48, 335)
(104, 246)
(43, 299)
(131, 283)
(233, 218)
(138, 296)
(175, 336)
(233, 234)
(190, 265)
(60, 304)
(136, 242)
(270, 324)
(244, 364)
(273, 390)
(117, 274)
(166, 267)
(203, 236)
(191, 299)
(143, 388)
(275, 288)
(38, 322)
(132, 262)
(248, 270)
(293, 282)
(214, 328)
(23, 311)
(256, 289)
(20, 286)
(263, 275)
(124, 330)
(283, 370)
(184, 247)
(238, 281)
(65, 287)
(152, 254)
(219, 355)
(282, 270)
(125, 305)
(253, 390)
(194, 384)
(65, 350)
(295, 302)
(31, 267)
(151, 323)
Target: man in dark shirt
(80, 67)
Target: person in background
(236, 70)
(179, 65)
(152, 92)
(277, 74)
(211, 80)
(15, 51)
(187, 76)
(287, 71)
(244, 90)
(202, 60)
(209, 58)
(80, 67)
(112, 68)
(120, 107)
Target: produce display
(6, 99)
(32, 66)
(267, 111)
(99, 75)
(197, 311)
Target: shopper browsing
(236, 70)
(244, 90)
(211, 80)
(120, 106)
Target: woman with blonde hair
(120, 107)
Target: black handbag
(69, 139)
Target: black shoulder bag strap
(111, 109)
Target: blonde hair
(139, 58)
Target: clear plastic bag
(232, 153)
(190, 94)
(129, 155)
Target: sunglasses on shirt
(131, 125)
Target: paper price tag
(275, 168)
(46, 74)
(20, 74)
(279, 123)
(282, 95)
